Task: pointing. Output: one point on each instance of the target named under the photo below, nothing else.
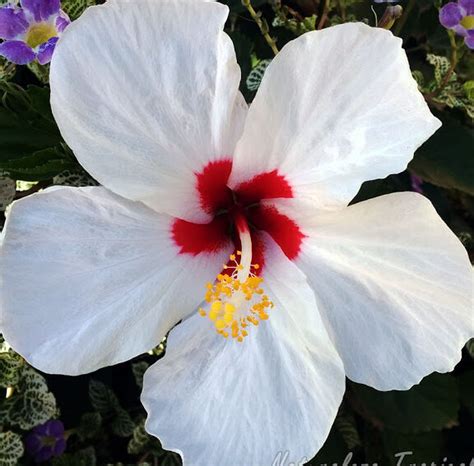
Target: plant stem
(391, 14)
(262, 24)
(452, 66)
(342, 10)
(454, 61)
(144, 457)
(401, 22)
(361, 410)
(294, 13)
(324, 15)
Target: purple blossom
(46, 441)
(416, 184)
(460, 18)
(30, 31)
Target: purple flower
(416, 184)
(30, 31)
(460, 18)
(46, 441)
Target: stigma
(236, 300)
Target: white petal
(394, 286)
(90, 279)
(219, 402)
(335, 108)
(147, 95)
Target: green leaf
(441, 67)
(296, 27)
(142, 442)
(10, 366)
(446, 158)
(76, 178)
(138, 369)
(334, 451)
(431, 405)
(84, 457)
(454, 96)
(11, 448)
(139, 440)
(423, 448)
(32, 408)
(26, 122)
(4, 346)
(448, 91)
(470, 347)
(103, 399)
(346, 425)
(419, 78)
(31, 403)
(122, 424)
(469, 89)
(237, 7)
(168, 458)
(7, 69)
(466, 389)
(75, 8)
(89, 426)
(40, 102)
(32, 147)
(39, 165)
(243, 50)
(7, 192)
(256, 75)
(40, 71)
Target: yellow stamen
(216, 306)
(40, 33)
(237, 298)
(467, 22)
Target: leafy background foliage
(101, 411)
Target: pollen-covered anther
(234, 301)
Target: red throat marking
(218, 199)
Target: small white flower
(146, 94)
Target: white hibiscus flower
(146, 94)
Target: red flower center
(217, 199)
